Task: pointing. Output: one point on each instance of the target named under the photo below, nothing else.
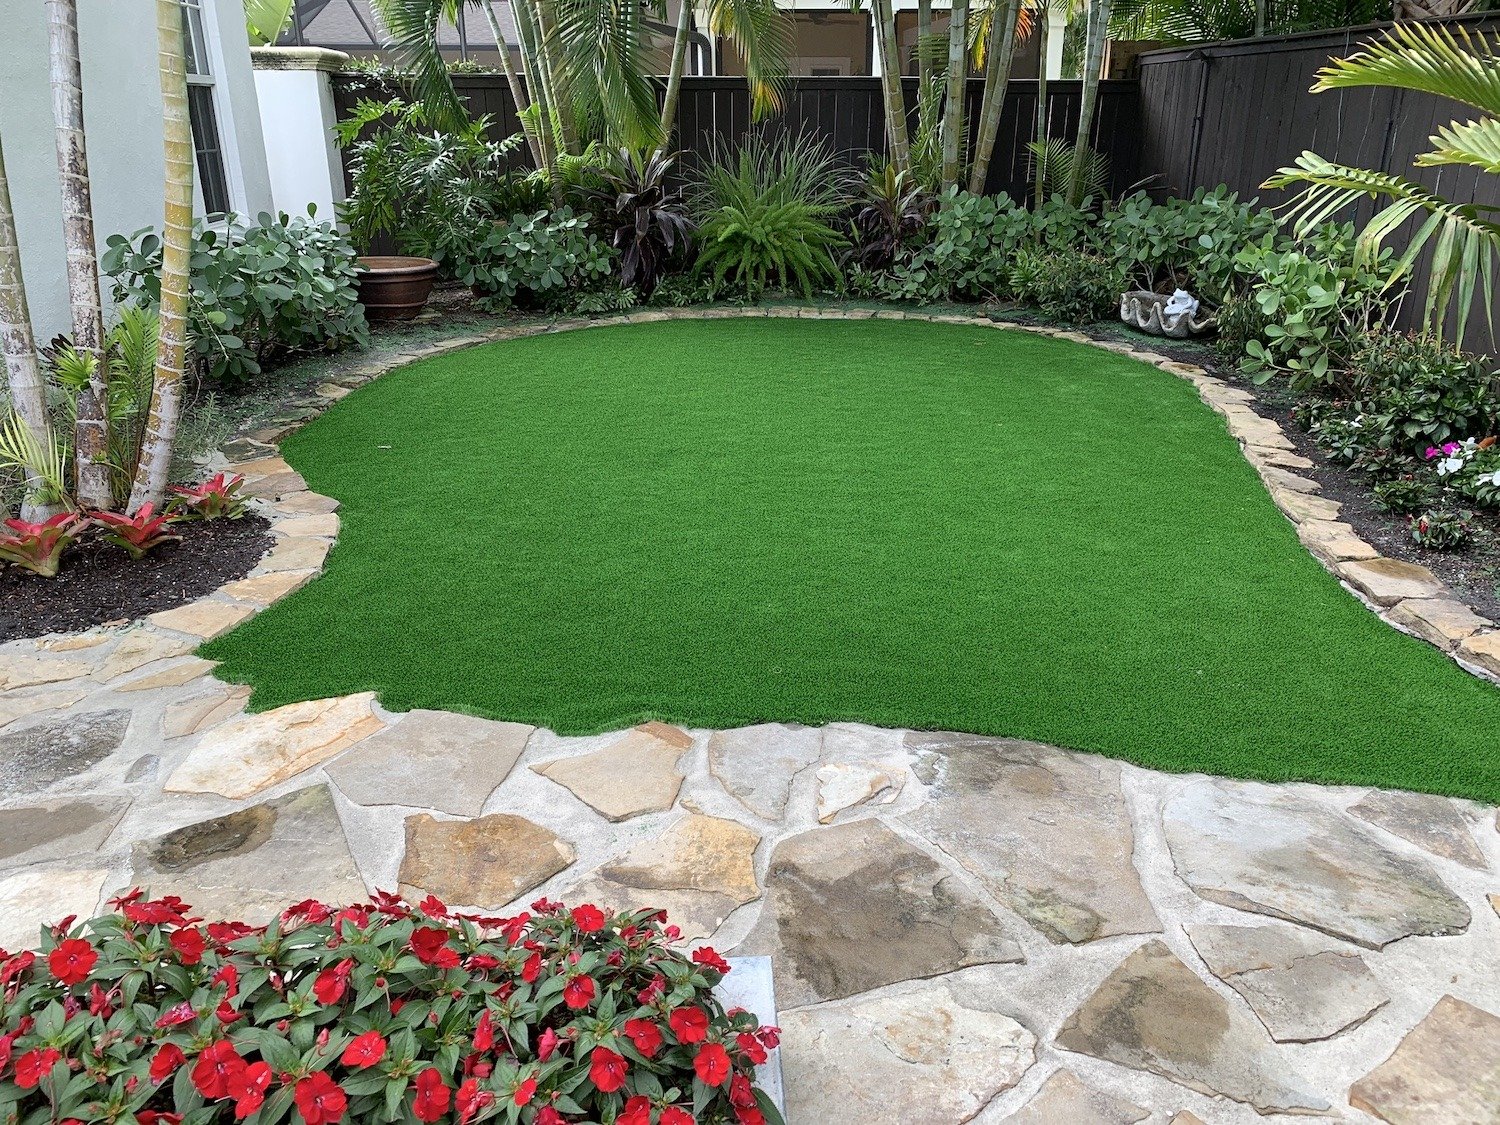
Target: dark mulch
(99, 583)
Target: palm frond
(412, 30)
(41, 456)
(1053, 157)
(1430, 58)
(603, 44)
(762, 36)
(1475, 143)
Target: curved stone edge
(1407, 597)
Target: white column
(295, 91)
(1057, 26)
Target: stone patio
(1011, 931)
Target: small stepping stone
(633, 775)
(756, 765)
(1433, 823)
(1445, 1072)
(482, 863)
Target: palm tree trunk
(958, 79)
(536, 74)
(1093, 61)
(150, 485)
(562, 105)
(998, 54)
(924, 30)
(674, 76)
(91, 440)
(513, 80)
(890, 83)
(28, 396)
(1039, 133)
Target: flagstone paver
(36, 756)
(633, 775)
(1257, 848)
(21, 702)
(757, 765)
(1445, 1072)
(1432, 823)
(1063, 1098)
(33, 897)
(484, 863)
(52, 830)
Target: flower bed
(373, 1012)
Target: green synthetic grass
(915, 525)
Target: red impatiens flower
(525, 1092)
(248, 1089)
(637, 1111)
(645, 1035)
(72, 961)
(189, 945)
(470, 1099)
(331, 982)
(741, 1093)
(430, 944)
(320, 1099)
(365, 1049)
(215, 1066)
(712, 1064)
(749, 1115)
(532, 969)
(546, 1045)
(751, 1047)
(549, 1116)
(35, 1065)
(484, 1032)
(176, 1014)
(607, 1070)
(690, 1025)
(433, 1095)
(588, 918)
(579, 992)
(165, 1062)
(710, 959)
(672, 1115)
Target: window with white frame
(208, 145)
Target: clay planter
(394, 288)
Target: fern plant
(1463, 237)
(758, 242)
(1052, 161)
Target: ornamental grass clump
(373, 1012)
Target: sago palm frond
(762, 36)
(1464, 242)
(1476, 143)
(41, 456)
(1433, 59)
(412, 27)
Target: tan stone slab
(274, 486)
(295, 553)
(1300, 506)
(1433, 823)
(254, 752)
(45, 697)
(1277, 477)
(1334, 542)
(1440, 621)
(703, 853)
(169, 674)
(324, 526)
(482, 863)
(199, 712)
(140, 647)
(57, 829)
(261, 467)
(1445, 1072)
(632, 775)
(307, 504)
(1282, 455)
(1186, 1118)
(40, 896)
(1482, 649)
(1064, 1098)
(331, 391)
(1388, 581)
(205, 619)
(265, 589)
(74, 642)
(22, 671)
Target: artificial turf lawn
(914, 525)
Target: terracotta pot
(393, 288)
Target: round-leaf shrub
(373, 1012)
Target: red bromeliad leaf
(38, 547)
(215, 497)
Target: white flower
(1449, 465)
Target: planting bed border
(1406, 596)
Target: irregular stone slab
(30, 701)
(199, 712)
(40, 896)
(1075, 881)
(1301, 987)
(307, 504)
(1388, 581)
(324, 526)
(1439, 621)
(21, 671)
(267, 588)
(854, 907)
(699, 871)
(1257, 848)
(275, 485)
(298, 553)
(1299, 505)
(1334, 542)
(1063, 1098)
(172, 674)
(843, 785)
(143, 768)
(1186, 1118)
(204, 619)
(40, 755)
(254, 752)
(483, 863)
(254, 863)
(756, 765)
(140, 647)
(1432, 823)
(1277, 477)
(1482, 649)
(632, 775)
(57, 829)
(924, 1057)
(1154, 1014)
(432, 760)
(74, 642)
(1445, 1072)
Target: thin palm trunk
(536, 74)
(1044, 18)
(924, 32)
(150, 485)
(91, 439)
(890, 84)
(674, 76)
(513, 80)
(1093, 62)
(958, 78)
(998, 53)
(28, 396)
(557, 91)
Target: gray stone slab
(35, 757)
(57, 829)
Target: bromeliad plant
(218, 496)
(139, 534)
(38, 547)
(374, 1012)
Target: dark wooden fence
(847, 112)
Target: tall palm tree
(883, 20)
(91, 440)
(999, 49)
(150, 484)
(1093, 63)
(1464, 239)
(760, 32)
(28, 400)
(957, 82)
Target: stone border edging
(1406, 596)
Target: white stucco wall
(122, 119)
(297, 118)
